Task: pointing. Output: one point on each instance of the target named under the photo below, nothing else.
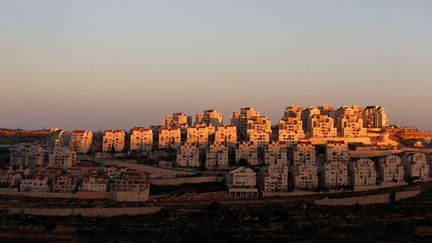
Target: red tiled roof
(79, 131)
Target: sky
(119, 64)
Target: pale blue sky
(119, 64)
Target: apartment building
(304, 170)
(390, 169)
(293, 111)
(259, 138)
(81, 141)
(362, 172)
(226, 134)
(63, 157)
(188, 155)
(303, 152)
(290, 129)
(141, 139)
(28, 154)
(217, 156)
(306, 116)
(416, 166)
(241, 118)
(178, 119)
(113, 141)
(242, 183)
(276, 153)
(95, 183)
(36, 183)
(336, 151)
(349, 122)
(333, 172)
(247, 151)
(327, 110)
(276, 178)
(10, 178)
(210, 116)
(65, 183)
(170, 137)
(131, 187)
(199, 134)
(374, 117)
(322, 126)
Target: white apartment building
(306, 116)
(336, 151)
(113, 141)
(81, 141)
(349, 122)
(28, 154)
(304, 177)
(303, 152)
(188, 155)
(391, 169)
(304, 170)
(240, 120)
(276, 153)
(217, 156)
(63, 157)
(247, 151)
(178, 119)
(259, 138)
(362, 172)
(416, 166)
(333, 172)
(95, 183)
(322, 126)
(226, 134)
(276, 178)
(290, 129)
(210, 116)
(36, 183)
(242, 183)
(199, 134)
(170, 137)
(374, 117)
(141, 139)
(293, 111)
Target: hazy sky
(118, 64)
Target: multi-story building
(247, 151)
(65, 183)
(178, 119)
(199, 134)
(290, 129)
(293, 111)
(170, 137)
(416, 166)
(141, 139)
(259, 130)
(241, 118)
(333, 172)
(113, 141)
(336, 151)
(62, 157)
(306, 116)
(95, 183)
(276, 153)
(322, 126)
(374, 117)
(259, 138)
(29, 154)
(303, 152)
(362, 172)
(226, 134)
(217, 156)
(276, 178)
(81, 141)
(327, 110)
(304, 170)
(131, 187)
(10, 178)
(188, 155)
(390, 169)
(211, 116)
(36, 183)
(349, 122)
(242, 183)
